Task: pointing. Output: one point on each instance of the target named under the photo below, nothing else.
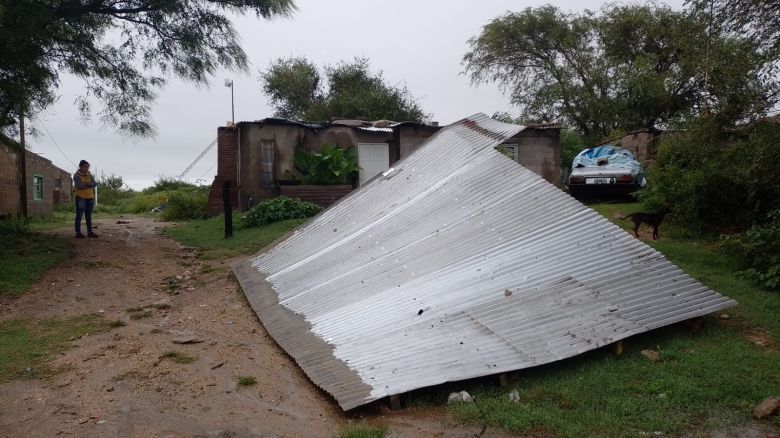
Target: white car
(605, 171)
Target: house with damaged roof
(456, 264)
(30, 177)
(255, 158)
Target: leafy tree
(121, 48)
(626, 68)
(292, 84)
(112, 182)
(758, 19)
(353, 91)
(717, 179)
(112, 189)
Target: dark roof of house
(370, 126)
(552, 125)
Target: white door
(373, 159)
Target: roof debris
(458, 265)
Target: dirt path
(115, 384)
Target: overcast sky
(416, 43)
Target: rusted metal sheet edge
(323, 368)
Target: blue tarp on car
(609, 156)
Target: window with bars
(37, 191)
(267, 162)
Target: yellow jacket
(84, 185)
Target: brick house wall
(56, 185)
(254, 156)
(642, 144)
(324, 196)
(227, 169)
(9, 181)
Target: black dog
(653, 219)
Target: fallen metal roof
(458, 263)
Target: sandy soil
(115, 384)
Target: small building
(642, 143)
(46, 185)
(256, 158)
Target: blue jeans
(84, 208)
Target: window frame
(37, 189)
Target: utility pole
(22, 167)
(229, 83)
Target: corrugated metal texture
(373, 129)
(458, 263)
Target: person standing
(85, 198)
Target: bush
(279, 209)
(715, 180)
(757, 251)
(163, 184)
(331, 165)
(186, 204)
(142, 202)
(111, 189)
(13, 226)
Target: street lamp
(229, 83)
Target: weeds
(246, 380)
(177, 357)
(363, 430)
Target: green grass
(246, 380)
(29, 344)
(363, 430)
(708, 381)
(25, 257)
(209, 236)
(58, 219)
(64, 219)
(178, 357)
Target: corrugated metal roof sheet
(458, 263)
(373, 129)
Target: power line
(55, 144)
(204, 173)
(199, 157)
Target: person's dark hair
(83, 162)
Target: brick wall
(323, 196)
(9, 181)
(227, 157)
(52, 182)
(638, 143)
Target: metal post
(229, 83)
(23, 166)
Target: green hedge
(279, 209)
(717, 180)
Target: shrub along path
(136, 335)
